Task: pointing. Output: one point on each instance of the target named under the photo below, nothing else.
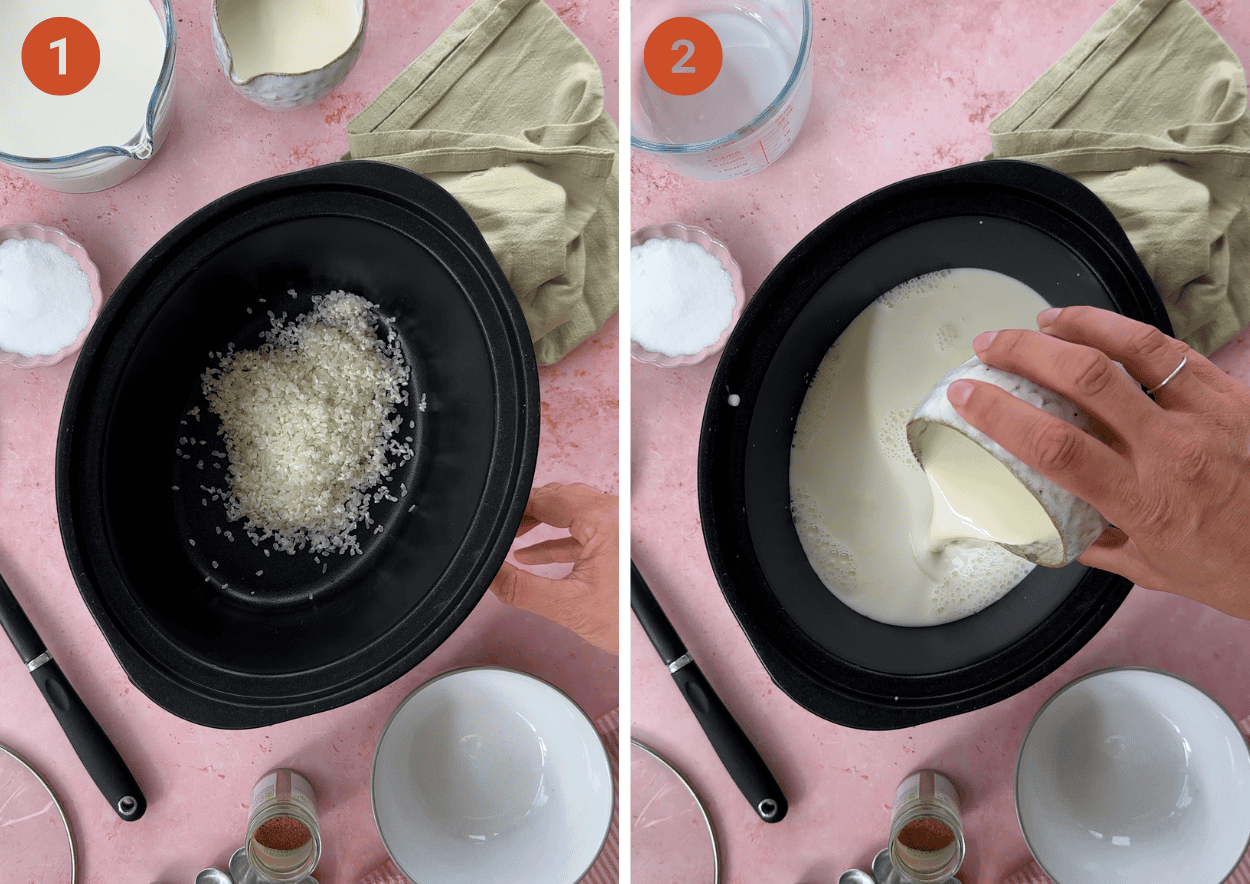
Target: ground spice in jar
(283, 840)
(927, 835)
(282, 833)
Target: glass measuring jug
(752, 111)
(101, 167)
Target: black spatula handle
(99, 756)
(736, 751)
(97, 753)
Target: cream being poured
(863, 507)
(975, 496)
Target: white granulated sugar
(681, 297)
(45, 298)
(308, 420)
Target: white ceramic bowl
(1077, 523)
(699, 236)
(281, 90)
(487, 774)
(79, 254)
(1134, 775)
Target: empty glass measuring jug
(752, 110)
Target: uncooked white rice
(308, 421)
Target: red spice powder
(926, 835)
(282, 833)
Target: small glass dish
(700, 237)
(79, 254)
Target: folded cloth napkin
(1148, 110)
(505, 111)
(606, 869)
(1031, 872)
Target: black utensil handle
(736, 752)
(97, 753)
(652, 618)
(18, 626)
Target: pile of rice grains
(310, 423)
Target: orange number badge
(60, 56)
(682, 56)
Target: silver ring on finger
(1163, 383)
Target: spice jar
(926, 835)
(283, 837)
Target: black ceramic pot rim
(212, 694)
(813, 674)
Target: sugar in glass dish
(1132, 774)
(696, 235)
(55, 237)
(283, 54)
(752, 111)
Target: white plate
(1134, 775)
(489, 775)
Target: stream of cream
(975, 496)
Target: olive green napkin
(505, 111)
(1148, 110)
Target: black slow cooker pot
(1020, 219)
(213, 629)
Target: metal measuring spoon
(856, 876)
(213, 876)
(241, 869)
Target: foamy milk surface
(110, 111)
(862, 505)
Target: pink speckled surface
(198, 780)
(901, 87)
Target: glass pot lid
(35, 839)
(672, 837)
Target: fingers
(528, 523)
(550, 505)
(521, 589)
(590, 613)
(557, 504)
(1147, 353)
(1056, 449)
(1114, 551)
(1085, 375)
(577, 507)
(562, 550)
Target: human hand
(1171, 474)
(587, 599)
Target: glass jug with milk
(87, 88)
